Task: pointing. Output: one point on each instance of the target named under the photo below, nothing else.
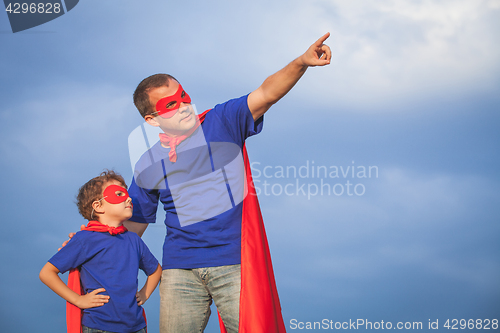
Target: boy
(109, 258)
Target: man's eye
(171, 104)
(183, 94)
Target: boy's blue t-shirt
(202, 192)
(112, 263)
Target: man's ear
(151, 120)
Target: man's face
(182, 121)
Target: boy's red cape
(74, 313)
(260, 310)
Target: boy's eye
(171, 104)
(119, 194)
(183, 94)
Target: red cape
(260, 310)
(74, 313)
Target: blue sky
(413, 90)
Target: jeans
(186, 296)
(86, 329)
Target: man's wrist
(301, 63)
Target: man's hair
(141, 93)
(92, 191)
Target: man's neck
(175, 134)
(183, 135)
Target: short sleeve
(238, 120)
(148, 262)
(72, 255)
(145, 203)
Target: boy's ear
(96, 205)
(151, 120)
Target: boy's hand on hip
(141, 297)
(92, 299)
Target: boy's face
(116, 204)
(182, 121)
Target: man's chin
(188, 122)
(182, 127)
(189, 119)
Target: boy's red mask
(168, 106)
(115, 194)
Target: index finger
(97, 291)
(322, 39)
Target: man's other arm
(136, 227)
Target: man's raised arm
(279, 84)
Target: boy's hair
(141, 96)
(92, 191)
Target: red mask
(115, 194)
(168, 106)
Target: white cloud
(385, 52)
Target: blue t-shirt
(202, 192)
(112, 263)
